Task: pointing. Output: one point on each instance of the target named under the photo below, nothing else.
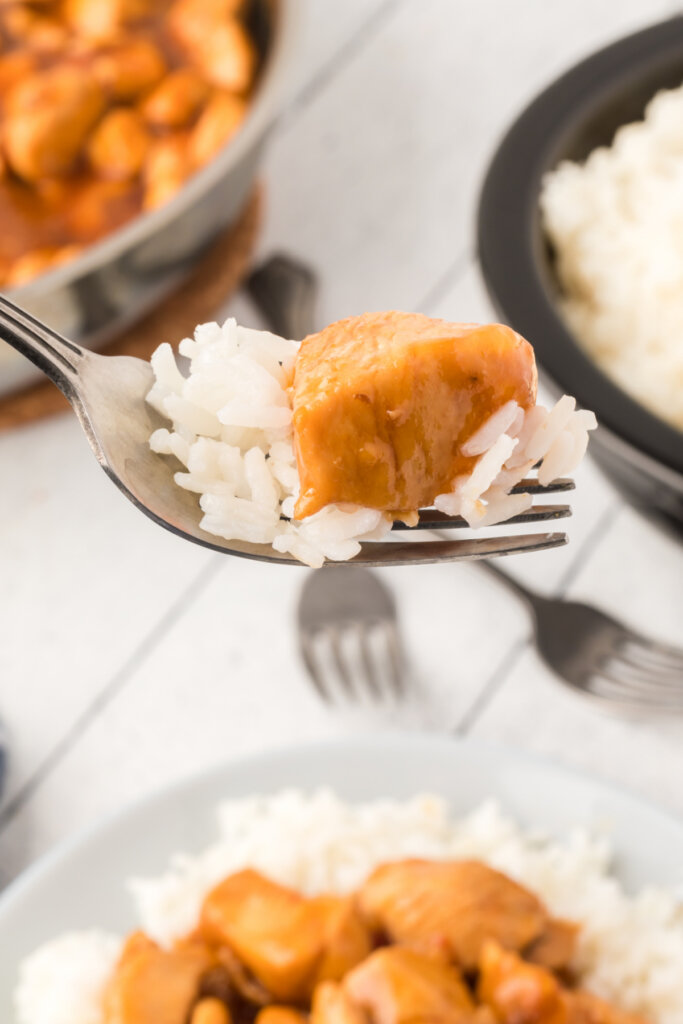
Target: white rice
(630, 950)
(231, 428)
(63, 981)
(616, 223)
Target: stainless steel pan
(116, 280)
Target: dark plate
(581, 110)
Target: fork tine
(427, 552)
(646, 696)
(373, 681)
(531, 486)
(334, 640)
(666, 675)
(310, 660)
(432, 519)
(654, 652)
(635, 675)
(397, 673)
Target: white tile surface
(128, 658)
(376, 182)
(84, 579)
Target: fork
(603, 659)
(108, 396)
(349, 637)
(351, 646)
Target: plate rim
(382, 743)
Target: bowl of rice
(580, 226)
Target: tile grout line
(503, 670)
(492, 685)
(448, 279)
(588, 547)
(308, 92)
(110, 690)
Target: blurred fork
(603, 659)
(349, 637)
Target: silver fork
(603, 659)
(349, 637)
(108, 396)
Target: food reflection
(106, 108)
(445, 943)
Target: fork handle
(285, 291)
(58, 358)
(530, 597)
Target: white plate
(82, 883)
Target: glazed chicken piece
(211, 1011)
(98, 205)
(585, 1008)
(332, 1004)
(288, 942)
(39, 261)
(176, 100)
(217, 123)
(382, 403)
(15, 67)
(118, 147)
(129, 68)
(48, 119)
(451, 907)
(155, 986)
(399, 986)
(36, 31)
(102, 19)
(280, 1015)
(215, 40)
(166, 169)
(518, 992)
(524, 993)
(555, 947)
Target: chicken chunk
(103, 19)
(167, 168)
(118, 147)
(333, 1005)
(555, 946)
(100, 206)
(211, 1011)
(215, 40)
(129, 69)
(39, 261)
(518, 992)
(153, 986)
(287, 941)
(280, 1015)
(383, 402)
(49, 117)
(176, 100)
(232, 979)
(15, 67)
(217, 123)
(400, 986)
(585, 1008)
(35, 31)
(524, 993)
(452, 907)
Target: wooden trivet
(218, 274)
